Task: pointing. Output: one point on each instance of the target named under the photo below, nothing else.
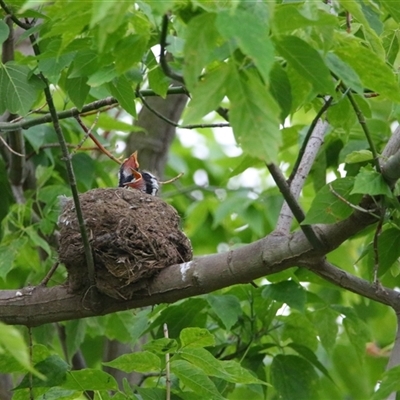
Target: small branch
(167, 367)
(163, 58)
(294, 206)
(70, 174)
(98, 144)
(48, 276)
(21, 24)
(307, 138)
(173, 123)
(72, 112)
(9, 148)
(314, 143)
(363, 124)
(377, 232)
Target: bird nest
(133, 236)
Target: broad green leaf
(289, 17)
(393, 9)
(287, 292)
(103, 75)
(299, 328)
(85, 64)
(390, 383)
(308, 63)
(358, 156)
(281, 90)
(135, 46)
(201, 40)
(157, 79)
(254, 41)
(344, 72)
(90, 379)
(77, 90)
(75, 335)
(325, 322)
(21, 93)
(8, 252)
(195, 379)
(4, 31)
(227, 307)
(310, 356)
(37, 240)
(83, 166)
(294, 378)
(151, 393)
(161, 346)
(237, 374)
(388, 249)
(143, 361)
(330, 203)
(374, 73)
(371, 182)
(254, 116)
(208, 94)
(13, 342)
(196, 337)
(122, 90)
(54, 371)
(358, 333)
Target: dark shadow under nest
(133, 235)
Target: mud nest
(133, 235)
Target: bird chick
(129, 175)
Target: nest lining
(133, 235)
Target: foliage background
(278, 67)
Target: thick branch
(40, 305)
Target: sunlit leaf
(287, 292)
(227, 308)
(369, 181)
(143, 361)
(196, 337)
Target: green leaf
(14, 344)
(325, 322)
(195, 379)
(393, 9)
(90, 379)
(307, 62)
(358, 333)
(151, 393)
(299, 328)
(388, 249)
(310, 356)
(201, 41)
(208, 94)
(21, 93)
(254, 116)
(237, 374)
(142, 361)
(9, 252)
(345, 73)
(101, 76)
(122, 90)
(328, 208)
(37, 240)
(135, 46)
(287, 292)
(294, 378)
(227, 307)
(254, 41)
(374, 73)
(358, 156)
(281, 90)
(75, 335)
(85, 64)
(161, 346)
(196, 337)
(84, 169)
(77, 90)
(53, 369)
(390, 383)
(4, 31)
(371, 182)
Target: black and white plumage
(130, 176)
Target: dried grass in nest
(133, 235)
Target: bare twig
(377, 232)
(163, 56)
(167, 367)
(9, 148)
(173, 123)
(8, 11)
(48, 276)
(307, 138)
(364, 127)
(294, 206)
